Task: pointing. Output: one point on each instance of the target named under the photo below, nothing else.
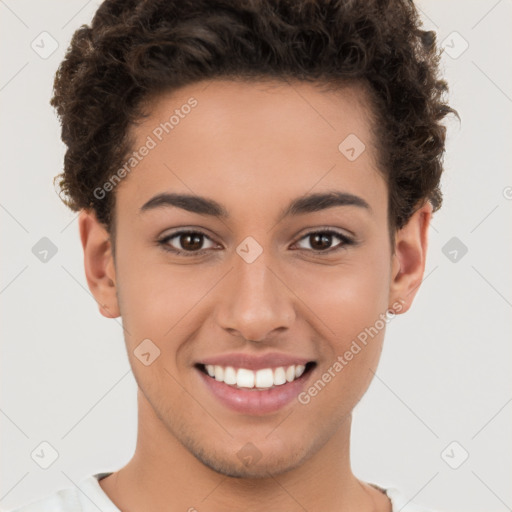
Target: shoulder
(399, 501)
(87, 496)
(59, 501)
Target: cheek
(148, 293)
(163, 303)
(349, 302)
(345, 298)
(352, 303)
(350, 348)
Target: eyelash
(163, 242)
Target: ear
(99, 263)
(408, 264)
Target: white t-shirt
(90, 497)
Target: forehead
(249, 141)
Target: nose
(256, 301)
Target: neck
(164, 475)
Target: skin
(252, 147)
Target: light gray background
(445, 373)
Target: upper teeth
(263, 379)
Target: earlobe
(408, 266)
(98, 263)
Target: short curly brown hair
(137, 49)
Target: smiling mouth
(256, 380)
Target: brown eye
(188, 242)
(321, 241)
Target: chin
(233, 467)
(262, 459)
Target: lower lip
(253, 401)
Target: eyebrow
(305, 204)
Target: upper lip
(252, 362)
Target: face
(241, 280)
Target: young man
(256, 181)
